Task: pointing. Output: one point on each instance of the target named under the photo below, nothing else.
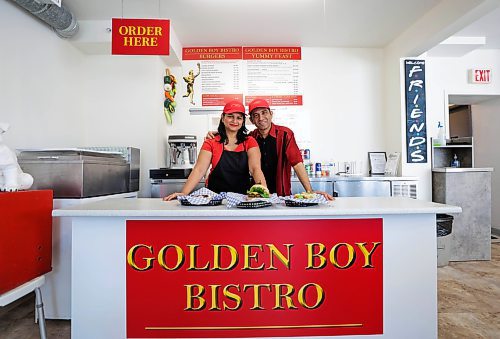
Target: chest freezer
(77, 173)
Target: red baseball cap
(234, 106)
(257, 103)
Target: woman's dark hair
(241, 135)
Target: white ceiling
(481, 34)
(308, 23)
(488, 26)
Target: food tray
(293, 203)
(214, 202)
(254, 204)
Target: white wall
(123, 106)
(183, 121)
(445, 19)
(117, 100)
(353, 96)
(446, 76)
(342, 97)
(40, 82)
(343, 91)
(53, 95)
(57, 96)
(485, 126)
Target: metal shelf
(454, 146)
(443, 155)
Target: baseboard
(30, 297)
(495, 235)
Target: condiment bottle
(455, 162)
(441, 140)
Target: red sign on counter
(260, 278)
(140, 36)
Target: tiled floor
(468, 305)
(17, 322)
(469, 298)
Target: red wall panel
(25, 237)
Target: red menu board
(219, 99)
(277, 100)
(270, 53)
(211, 53)
(242, 278)
(214, 75)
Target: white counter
(409, 285)
(145, 207)
(57, 288)
(357, 177)
(462, 169)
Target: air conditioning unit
(404, 189)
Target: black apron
(231, 173)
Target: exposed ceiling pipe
(59, 18)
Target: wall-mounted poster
(416, 130)
(273, 73)
(215, 75)
(212, 75)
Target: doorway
(460, 121)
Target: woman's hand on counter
(172, 196)
(327, 196)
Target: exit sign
(480, 76)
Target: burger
(258, 191)
(304, 195)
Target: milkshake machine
(182, 151)
(181, 157)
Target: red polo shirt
(288, 156)
(216, 148)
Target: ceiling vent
(59, 18)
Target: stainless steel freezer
(77, 173)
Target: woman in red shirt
(233, 154)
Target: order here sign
(247, 278)
(140, 36)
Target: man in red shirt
(279, 151)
